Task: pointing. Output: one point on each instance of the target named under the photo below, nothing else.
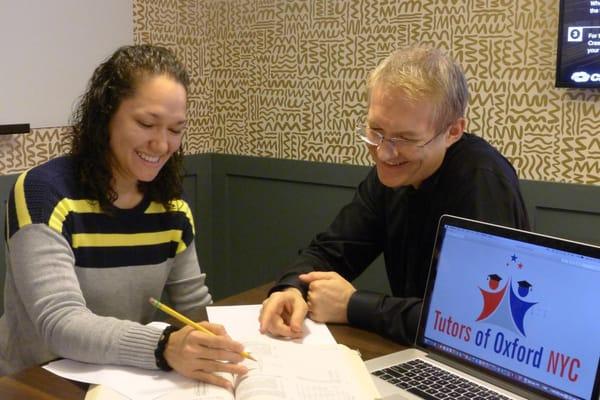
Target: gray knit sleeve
(57, 320)
(186, 285)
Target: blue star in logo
(513, 258)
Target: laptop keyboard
(432, 383)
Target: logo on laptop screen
(506, 303)
(502, 305)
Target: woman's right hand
(197, 355)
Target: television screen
(578, 53)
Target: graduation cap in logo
(494, 281)
(524, 288)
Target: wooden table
(38, 384)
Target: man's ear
(455, 131)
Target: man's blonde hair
(425, 74)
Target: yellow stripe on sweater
(176, 205)
(66, 206)
(23, 216)
(128, 239)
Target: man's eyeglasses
(374, 138)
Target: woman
(93, 235)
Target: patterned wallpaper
(285, 79)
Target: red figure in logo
(494, 281)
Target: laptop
(507, 314)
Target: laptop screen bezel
(505, 232)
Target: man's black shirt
(474, 181)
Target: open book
(285, 370)
(314, 368)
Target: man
(425, 166)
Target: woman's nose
(159, 142)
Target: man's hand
(197, 355)
(283, 313)
(328, 296)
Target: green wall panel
(253, 214)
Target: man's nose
(387, 150)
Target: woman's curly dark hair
(113, 81)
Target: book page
(284, 370)
(200, 392)
(291, 371)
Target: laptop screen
(525, 307)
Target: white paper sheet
(241, 322)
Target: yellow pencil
(188, 322)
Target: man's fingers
(270, 312)
(297, 316)
(281, 328)
(282, 313)
(316, 275)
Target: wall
(263, 210)
(284, 79)
(252, 214)
(41, 79)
